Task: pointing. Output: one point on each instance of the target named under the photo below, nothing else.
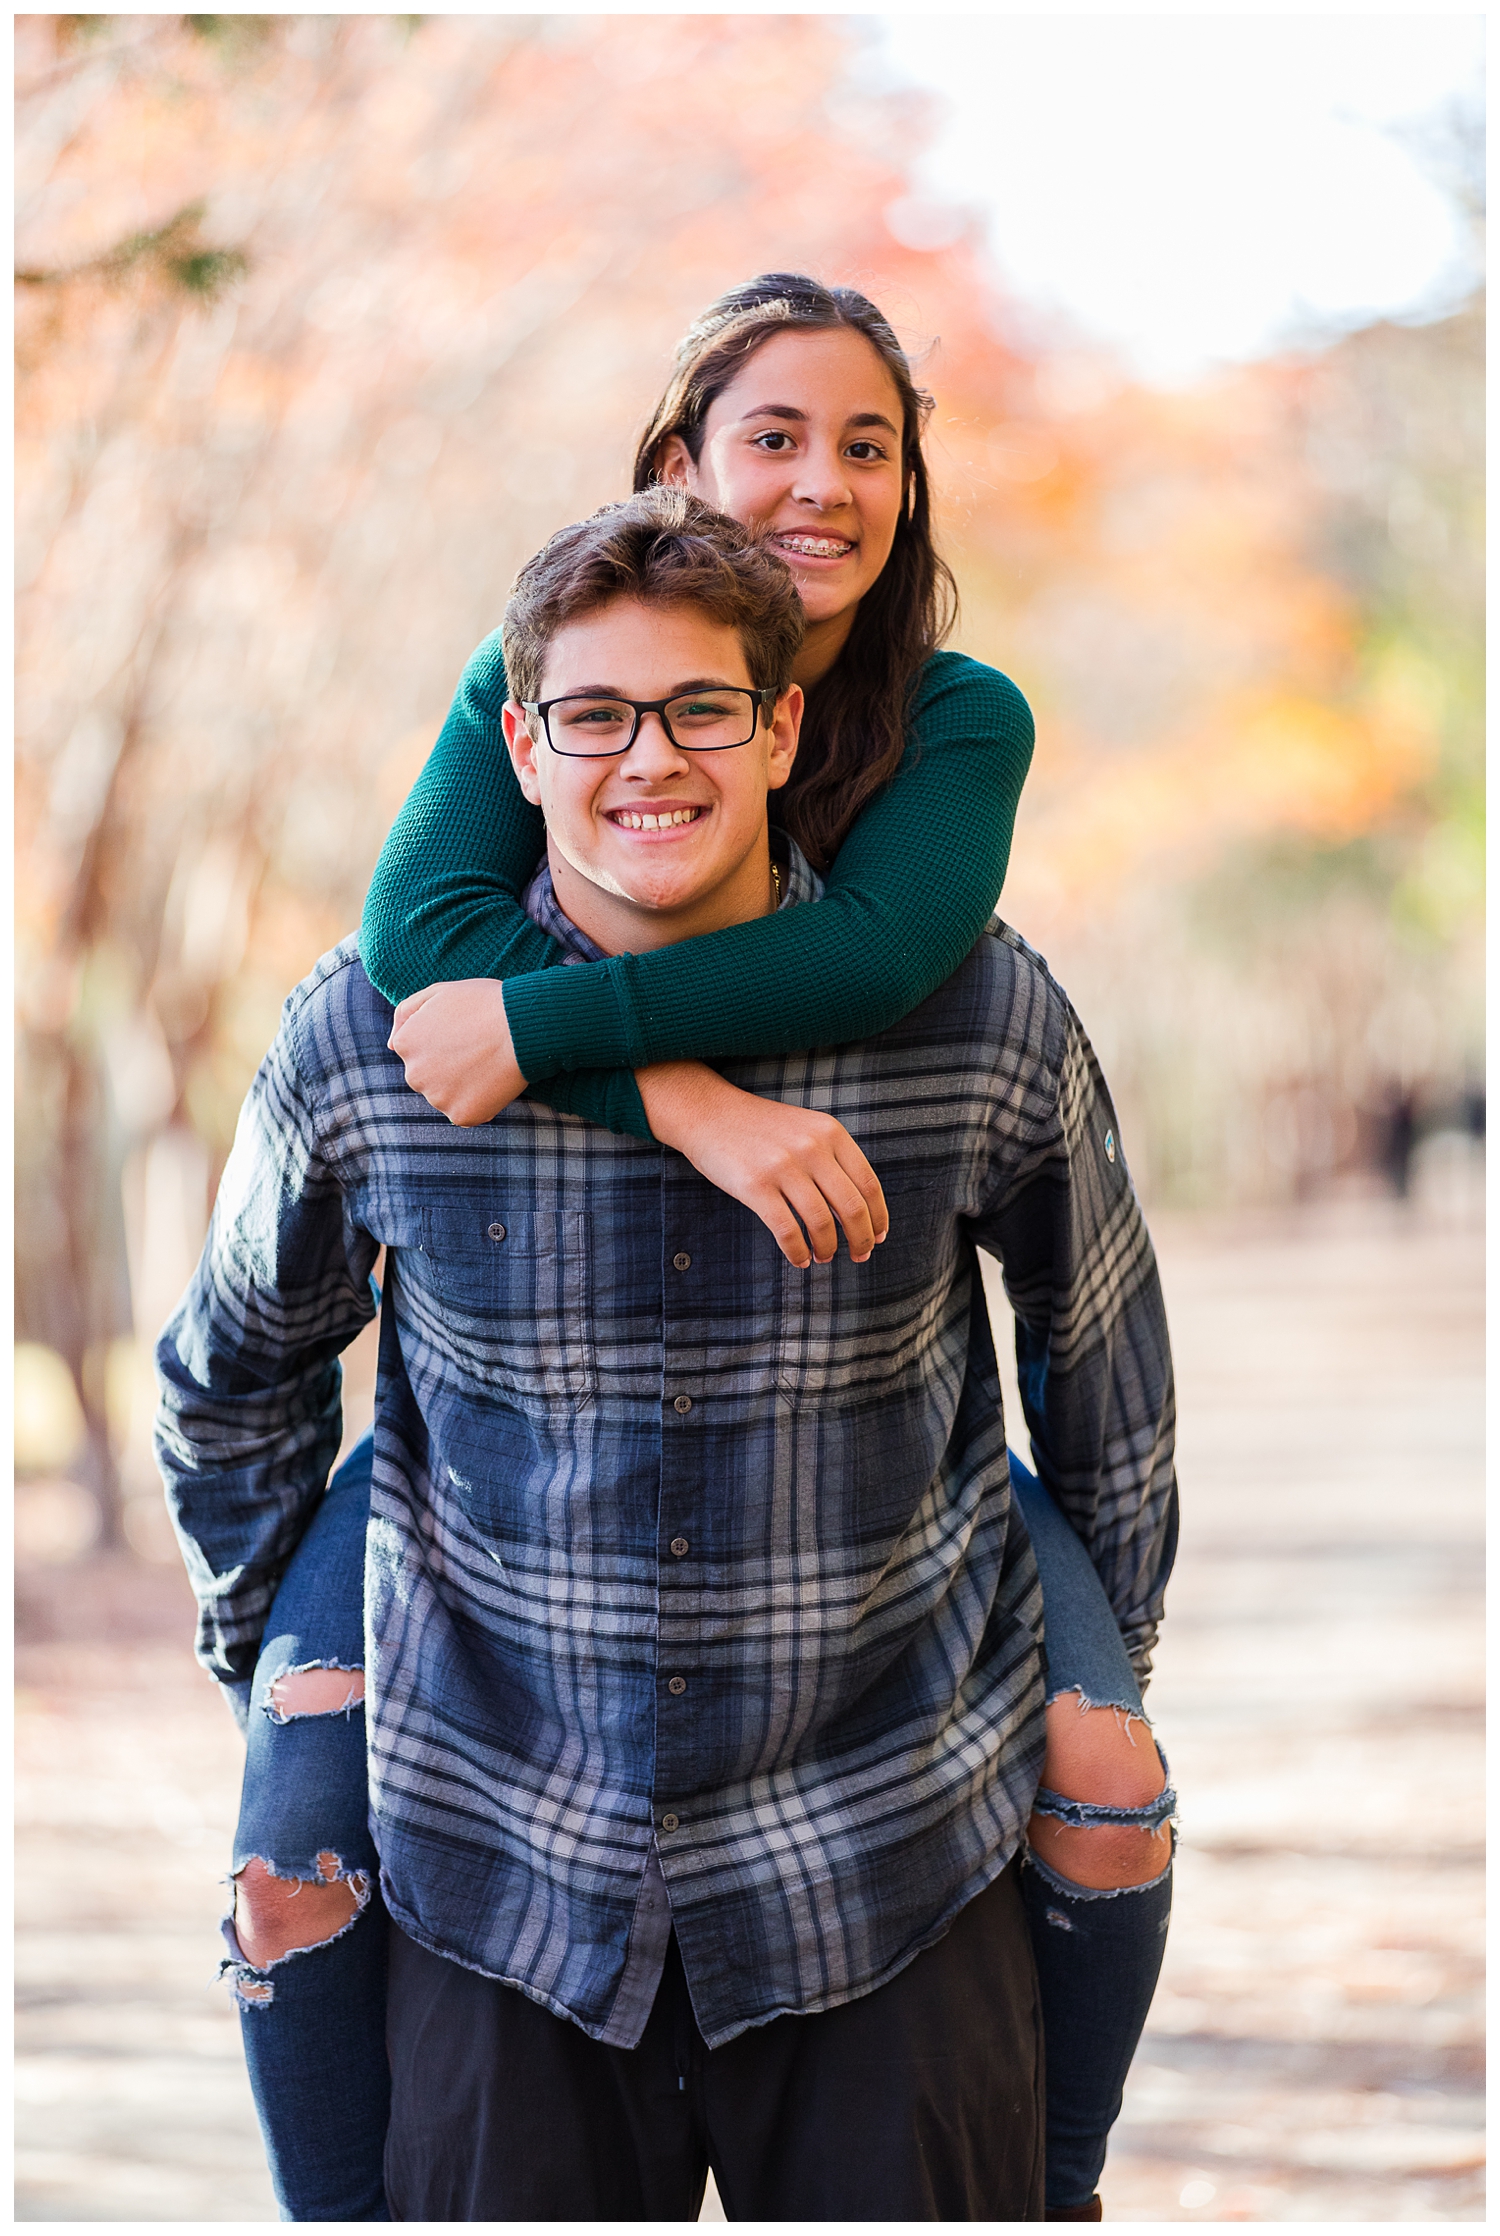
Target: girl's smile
(794, 546)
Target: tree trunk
(83, 1315)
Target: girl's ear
(674, 464)
(786, 726)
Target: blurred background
(324, 324)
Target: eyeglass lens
(699, 721)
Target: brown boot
(1093, 2210)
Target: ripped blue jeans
(313, 2022)
(1098, 1950)
(1082, 1652)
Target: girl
(793, 408)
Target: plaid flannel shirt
(689, 1574)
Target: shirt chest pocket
(847, 1334)
(511, 1292)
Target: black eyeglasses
(590, 727)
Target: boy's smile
(658, 843)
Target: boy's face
(657, 843)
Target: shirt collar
(799, 882)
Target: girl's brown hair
(854, 729)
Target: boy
(705, 1699)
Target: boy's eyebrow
(617, 691)
(790, 411)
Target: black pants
(921, 2101)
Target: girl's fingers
(824, 1197)
(848, 1206)
(807, 1199)
(773, 1211)
(835, 1162)
(410, 1006)
(863, 1174)
(801, 1172)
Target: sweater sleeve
(910, 891)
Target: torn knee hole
(1101, 1856)
(275, 1916)
(315, 1692)
(262, 1885)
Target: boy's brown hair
(665, 548)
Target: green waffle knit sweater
(910, 891)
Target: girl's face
(805, 443)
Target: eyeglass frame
(764, 701)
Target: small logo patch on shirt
(1109, 1145)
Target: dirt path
(1314, 2050)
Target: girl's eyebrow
(790, 411)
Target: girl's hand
(784, 1163)
(454, 1040)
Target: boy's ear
(786, 727)
(522, 747)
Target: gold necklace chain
(776, 883)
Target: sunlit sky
(1195, 188)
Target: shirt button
(497, 1232)
(670, 1823)
(680, 1546)
(676, 1684)
(682, 1261)
(682, 1404)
